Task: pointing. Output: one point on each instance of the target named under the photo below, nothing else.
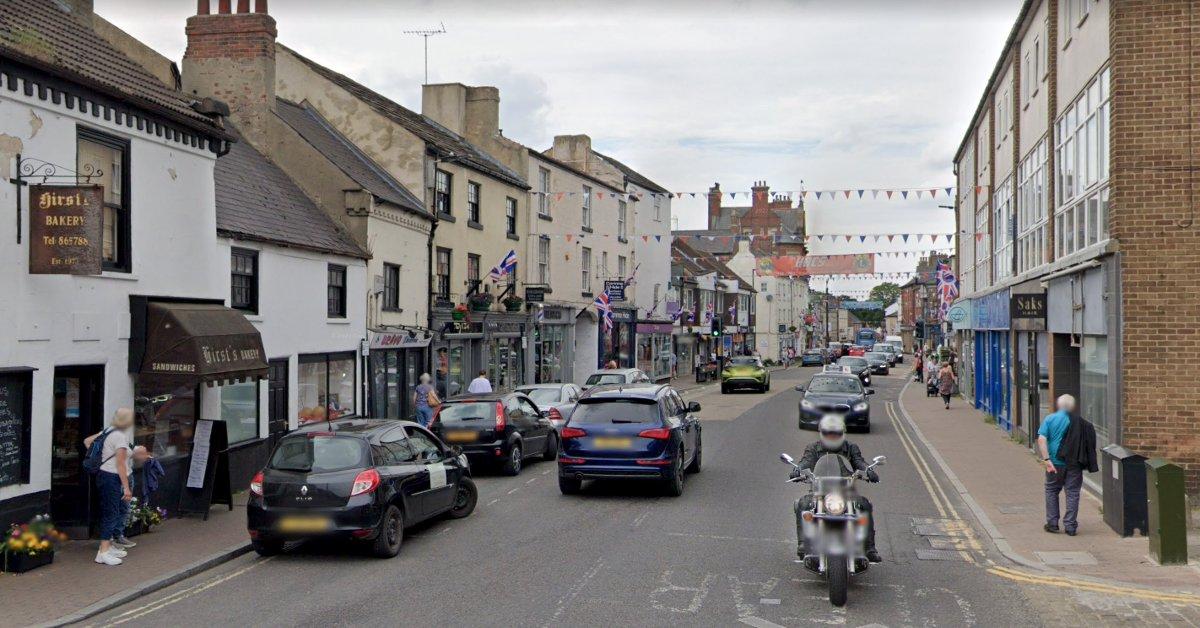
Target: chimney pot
(243, 6)
(223, 7)
(260, 6)
(202, 7)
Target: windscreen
(831, 466)
(477, 411)
(848, 385)
(875, 355)
(319, 453)
(744, 361)
(605, 378)
(542, 396)
(615, 412)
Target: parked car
(812, 357)
(615, 376)
(745, 371)
(837, 393)
(858, 366)
(360, 479)
(643, 431)
(556, 401)
(880, 362)
(497, 428)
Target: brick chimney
(759, 195)
(714, 205)
(574, 150)
(230, 56)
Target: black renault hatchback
(360, 479)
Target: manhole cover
(937, 554)
(929, 529)
(1013, 509)
(1066, 558)
(944, 544)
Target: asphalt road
(621, 555)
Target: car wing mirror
(870, 391)
(799, 389)
(788, 459)
(693, 406)
(878, 460)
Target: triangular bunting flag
(847, 238)
(919, 236)
(948, 192)
(904, 194)
(904, 236)
(933, 193)
(979, 189)
(645, 238)
(847, 192)
(918, 194)
(889, 194)
(860, 193)
(569, 236)
(978, 237)
(874, 193)
(803, 193)
(658, 238)
(862, 238)
(693, 195)
(820, 238)
(818, 195)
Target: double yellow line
(1095, 587)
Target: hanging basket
(457, 315)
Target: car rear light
(657, 462)
(658, 433)
(256, 484)
(500, 422)
(562, 460)
(253, 534)
(572, 432)
(361, 534)
(365, 482)
(312, 435)
(554, 414)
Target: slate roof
(442, 139)
(692, 259)
(45, 35)
(257, 201)
(343, 154)
(579, 173)
(634, 176)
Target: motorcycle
(835, 533)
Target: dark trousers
(862, 504)
(1070, 479)
(112, 523)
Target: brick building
(1076, 179)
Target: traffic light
(718, 326)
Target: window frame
(585, 265)
(251, 306)
(333, 270)
(124, 250)
(391, 287)
(442, 287)
(543, 192)
(474, 280)
(544, 260)
(622, 219)
(1082, 138)
(587, 207)
(443, 199)
(510, 215)
(473, 213)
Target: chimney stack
(483, 112)
(573, 150)
(714, 205)
(231, 57)
(759, 195)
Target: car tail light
(256, 484)
(658, 433)
(572, 432)
(554, 414)
(655, 462)
(365, 482)
(562, 460)
(500, 422)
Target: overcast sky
(820, 94)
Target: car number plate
(608, 442)
(304, 524)
(461, 437)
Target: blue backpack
(92, 461)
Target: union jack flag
(947, 288)
(604, 309)
(506, 266)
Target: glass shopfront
(552, 364)
(617, 345)
(165, 422)
(505, 362)
(453, 366)
(326, 386)
(654, 349)
(395, 363)
(239, 411)
(1093, 386)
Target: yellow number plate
(606, 442)
(461, 437)
(302, 525)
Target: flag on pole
(947, 288)
(604, 309)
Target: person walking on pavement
(674, 366)
(919, 367)
(946, 382)
(1060, 476)
(112, 483)
(425, 400)
(480, 384)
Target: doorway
(78, 413)
(277, 399)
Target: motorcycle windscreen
(832, 466)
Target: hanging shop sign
(615, 289)
(535, 294)
(64, 229)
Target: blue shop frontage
(992, 356)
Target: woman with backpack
(110, 460)
(425, 400)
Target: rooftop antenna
(426, 34)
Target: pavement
(623, 554)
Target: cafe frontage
(491, 341)
(395, 361)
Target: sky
(804, 94)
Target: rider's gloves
(796, 472)
(872, 476)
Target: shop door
(277, 399)
(413, 359)
(1033, 383)
(78, 413)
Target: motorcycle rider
(833, 441)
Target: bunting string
(888, 194)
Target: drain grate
(938, 554)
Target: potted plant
(142, 517)
(459, 312)
(30, 545)
(513, 303)
(481, 301)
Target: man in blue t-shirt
(1059, 475)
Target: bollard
(1167, 519)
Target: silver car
(556, 401)
(616, 376)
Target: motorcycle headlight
(867, 380)
(835, 504)
(860, 407)
(807, 405)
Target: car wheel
(694, 467)
(673, 486)
(569, 486)
(391, 534)
(464, 499)
(551, 452)
(512, 466)
(866, 429)
(267, 547)
(724, 389)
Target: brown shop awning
(200, 342)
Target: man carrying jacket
(1066, 454)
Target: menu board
(14, 427)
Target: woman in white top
(112, 483)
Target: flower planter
(20, 563)
(458, 316)
(136, 528)
(480, 307)
(513, 306)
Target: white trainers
(123, 542)
(106, 558)
(115, 550)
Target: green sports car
(745, 372)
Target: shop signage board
(208, 470)
(1029, 305)
(397, 340)
(960, 314)
(535, 294)
(64, 229)
(991, 311)
(615, 289)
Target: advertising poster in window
(65, 229)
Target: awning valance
(200, 342)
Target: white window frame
(544, 189)
(544, 260)
(658, 207)
(585, 265)
(1032, 206)
(587, 206)
(1082, 168)
(622, 211)
(622, 266)
(1002, 225)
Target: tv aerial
(426, 34)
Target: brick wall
(1155, 120)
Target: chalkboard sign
(15, 390)
(207, 480)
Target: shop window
(1093, 386)
(325, 387)
(391, 287)
(239, 410)
(337, 291)
(450, 370)
(107, 158)
(166, 421)
(243, 280)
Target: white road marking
(182, 595)
(531, 480)
(546, 472)
(771, 601)
(640, 518)
(698, 593)
(492, 502)
(714, 537)
(514, 490)
(574, 592)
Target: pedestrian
(946, 382)
(931, 366)
(919, 368)
(611, 365)
(112, 484)
(674, 366)
(1061, 475)
(480, 384)
(425, 399)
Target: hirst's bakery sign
(65, 229)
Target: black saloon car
(880, 362)
(497, 428)
(858, 366)
(835, 393)
(359, 479)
